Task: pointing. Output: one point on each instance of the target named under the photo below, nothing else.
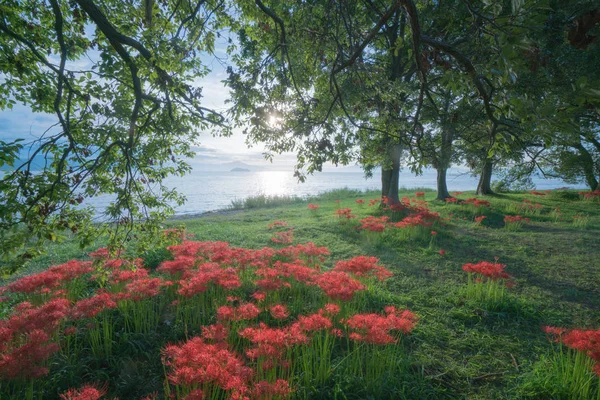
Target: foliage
(119, 80)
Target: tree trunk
(391, 177)
(444, 161)
(485, 180)
(442, 187)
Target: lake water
(207, 191)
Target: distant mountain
(240, 170)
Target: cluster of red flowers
(373, 202)
(535, 193)
(590, 195)
(374, 224)
(585, 341)
(510, 219)
(363, 266)
(275, 224)
(198, 363)
(286, 237)
(451, 200)
(360, 202)
(52, 278)
(339, 285)
(92, 306)
(477, 202)
(197, 281)
(245, 311)
(420, 194)
(376, 328)
(86, 392)
(313, 207)
(345, 213)
(492, 271)
(28, 337)
(413, 220)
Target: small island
(240, 170)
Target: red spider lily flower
(372, 202)
(345, 213)
(376, 328)
(72, 270)
(313, 207)
(374, 224)
(197, 281)
(187, 248)
(487, 269)
(308, 250)
(271, 279)
(480, 219)
(339, 285)
(26, 360)
(330, 309)
(46, 317)
(177, 266)
(128, 275)
(413, 220)
(478, 203)
(197, 363)
(515, 219)
(360, 201)
(259, 296)
(434, 233)
(554, 330)
(451, 200)
(275, 224)
(36, 283)
(363, 266)
(279, 311)
(537, 193)
(584, 341)
(312, 323)
(420, 194)
(86, 392)
(216, 332)
(283, 237)
(140, 289)
(336, 332)
(271, 343)
(267, 390)
(70, 331)
(442, 252)
(90, 307)
(100, 254)
(242, 312)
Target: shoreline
(205, 214)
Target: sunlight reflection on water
(206, 191)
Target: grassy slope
(463, 349)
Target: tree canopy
(386, 84)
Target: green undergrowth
(461, 348)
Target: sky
(21, 122)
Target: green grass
(460, 348)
